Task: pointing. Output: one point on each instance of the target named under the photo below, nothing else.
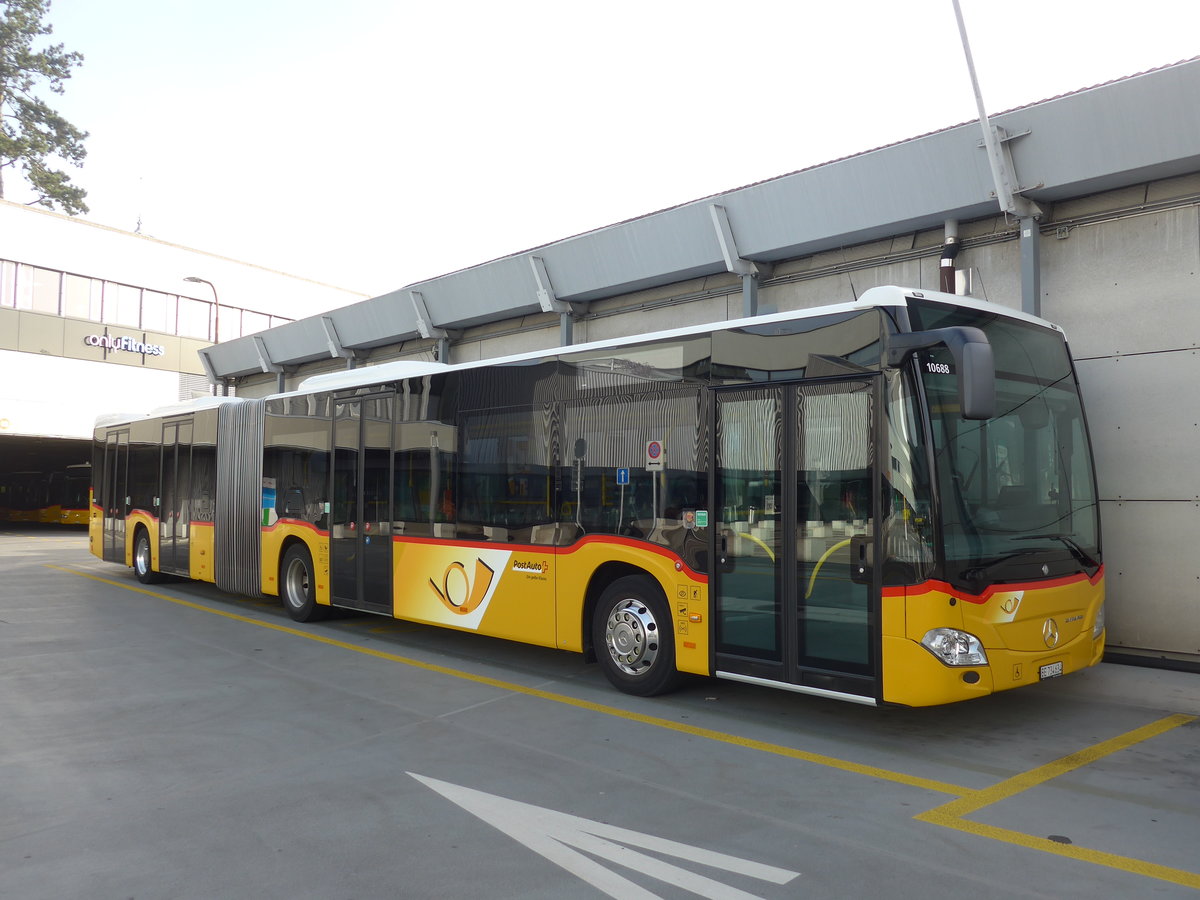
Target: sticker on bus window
(931, 366)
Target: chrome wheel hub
(631, 636)
(296, 584)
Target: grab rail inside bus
(812, 580)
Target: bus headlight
(1098, 627)
(954, 647)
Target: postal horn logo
(461, 593)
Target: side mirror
(973, 364)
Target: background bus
(22, 496)
(67, 496)
(890, 501)
(55, 498)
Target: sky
(371, 144)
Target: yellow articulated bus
(56, 498)
(890, 501)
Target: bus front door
(360, 554)
(796, 491)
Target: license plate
(1051, 671)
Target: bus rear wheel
(143, 561)
(297, 586)
(631, 627)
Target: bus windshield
(1017, 491)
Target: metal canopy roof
(1141, 128)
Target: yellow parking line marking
(1026, 780)
(1070, 851)
(949, 815)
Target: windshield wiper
(1070, 543)
(978, 574)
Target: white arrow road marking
(553, 834)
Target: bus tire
(143, 559)
(297, 586)
(634, 640)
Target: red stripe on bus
(943, 587)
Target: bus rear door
(115, 501)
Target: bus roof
(174, 409)
(884, 296)
(888, 295)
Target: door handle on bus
(724, 563)
(862, 558)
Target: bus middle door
(175, 517)
(360, 551)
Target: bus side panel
(686, 592)
(200, 559)
(274, 537)
(501, 590)
(96, 529)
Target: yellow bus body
(1023, 628)
(532, 594)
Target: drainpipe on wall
(950, 247)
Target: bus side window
(292, 504)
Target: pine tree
(33, 136)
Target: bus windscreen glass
(1018, 495)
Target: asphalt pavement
(174, 742)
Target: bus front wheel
(635, 644)
(143, 561)
(297, 586)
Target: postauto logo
(124, 343)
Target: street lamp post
(216, 317)
(216, 305)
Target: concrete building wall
(1122, 276)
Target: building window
(122, 305)
(46, 286)
(158, 312)
(8, 283)
(23, 287)
(81, 297)
(194, 317)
